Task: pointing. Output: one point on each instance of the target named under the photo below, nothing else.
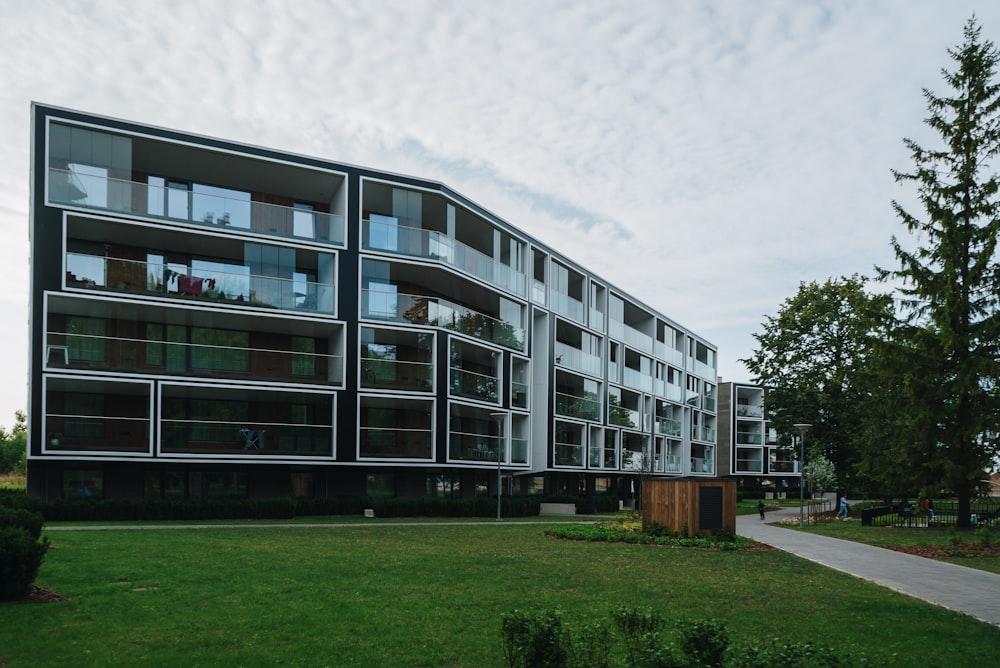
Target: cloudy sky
(706, 157)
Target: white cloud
(705, 157)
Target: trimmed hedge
(22, 519)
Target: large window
(220, 350)
(303, 363)
(85, 339)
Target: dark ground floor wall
(52, 480)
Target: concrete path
(974, 592)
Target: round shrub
(20, 557)
(24, 519)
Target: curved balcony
(392, 237)
(436, 312)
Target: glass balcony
(674, 392)
(667, 427)
(96, 433)
(538, 292)
(745, 410)
(702, 465)
(383, 374)
(702, 369)
(578, 407)
(263, 439)
(706, 434)
(569, 454)
(388, 443)
(212, 285)
(596, 320)
(610, 458)
(519, 450)
(709, 404)
(67, 350)
(200, 208)
(474, 385)
(638, 340)
(636, 380)
(518, 395)
(416, 242)
(749, 463)
(576, 359)
(624, 417)
(671, 464)
(748, 438)
(419, 310)
(567, 306)
(470, 447)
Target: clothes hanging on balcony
(190, 285)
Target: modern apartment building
(211, 318)
(748, 445)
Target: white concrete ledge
(557, 509)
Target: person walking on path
(843, 507)
(760, 509)
(929, 508)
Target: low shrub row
(640, 639)
(722, 540)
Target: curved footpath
(976, 593)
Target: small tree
(820, 472)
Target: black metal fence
(983, 512)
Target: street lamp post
(501, 433)
(803, 428)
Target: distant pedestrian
(843, 508)
(760, 509)
(929, 508)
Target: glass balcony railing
(578, 407)
(749, 465)
(709, 404)
(610, 458)
(471, 447)
(638, 340)
(391, 443)
(596, 320)
(624, 417)
(567, 306)
(96, 433)
(574, 358)
(420, 310)
(263, 439)
(519, 450)
(671, 464)
(616, 329)
(744, 410)
(67, 350)
(706, 434)
(667, 427)
(200, 208)
(97, 272)
(748, 438)
(400, 239)
(384, 374)
(702, 369)
(674, 392)
(569, 454)
(519, 395)
(538, 292)
(702, 465)
(474, 385)
(637, 380)
(633, 460)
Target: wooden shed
(700, 505)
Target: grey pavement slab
(974, 592)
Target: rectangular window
(88, 412)
(85, 339)
(154, 350)
(219, 349)
(304, 363)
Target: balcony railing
(569, 454)
(578, 407)
(420, 310)
(471, 447)
(668, 353)
(519, 451)
(388, 443)
(637, 380)
(709, 404)
(215, 211)
(383, 374)
(702, 369)
(574, 358)
(433, 245)
(748, 438)
(264, 439)
(67, 350)
(638, 340)
(749, 465)
(538, 292)
(519, 395)
(97, 272)
(610, 458)
(744, 410)
(674, 392)
(702, 465)
(668, 427)
(96, 433)
(596, 320)
(474, 385)
(671, 464)
(624, 417)
(567, 306)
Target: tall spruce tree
(942, 357)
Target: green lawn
(429, 596)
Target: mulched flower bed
(40, 595)
(969, 550)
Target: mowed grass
(430, 596)
(952, 540)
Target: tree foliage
(814, 356)
(941, 358)
(820, 473)
(13, 445)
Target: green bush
(24, 519)
(533, 639)
(704, 642)
(20, 557)
(11, 498)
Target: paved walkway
(974, 592)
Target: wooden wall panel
(677, 503)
